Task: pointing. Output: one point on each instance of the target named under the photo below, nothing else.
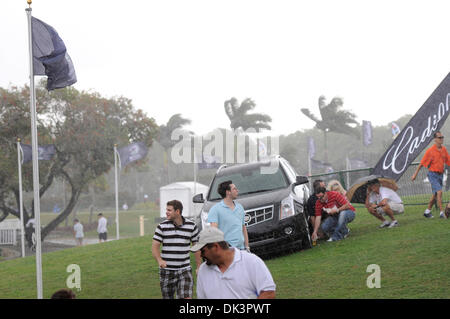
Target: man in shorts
(434, 159)
(101, 228)
(175, 234)
(382, 201)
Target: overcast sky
(384, 58)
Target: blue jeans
(337, 225)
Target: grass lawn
(414, 260)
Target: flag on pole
(50, 56)
(311, 147)
(395, 130)
(133, 152)
(367, 133)
(45, 152)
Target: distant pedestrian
(175, 234)
(102, 229)
(230, 273)
(228, 216)
(434, 159)
(78, 232)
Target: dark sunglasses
(440, 137)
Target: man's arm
(413, 177)
(156, 245)
(244, 231)
(266, 295)
(316, 227)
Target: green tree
(164, 137)
(83, 127)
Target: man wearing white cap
(230, 273)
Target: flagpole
(347, 164)
(19, 165)
(34, 145)
(117, 190)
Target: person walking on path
(78, 232)
(434, 160)
(102, 229)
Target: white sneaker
(393, 224)
(385, 224)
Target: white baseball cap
(208, 235)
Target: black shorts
(102, 236)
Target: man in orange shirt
(434, 159)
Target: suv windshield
(249, 180)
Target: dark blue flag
(50, 56)
(131, 153)
(45, 152)
(367, 132)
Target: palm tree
(164, 138)
(334, 119)
(239, 117)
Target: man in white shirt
(78, 232)
(101, 228)
(383, 201)
(230, 273)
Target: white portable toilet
(182, 191)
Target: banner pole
(117, 191)
(22, 229)
(37, 209)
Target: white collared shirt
(245, 278)
(101, 228)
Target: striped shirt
(334, 199)
(176, 242)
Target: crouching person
(340, 213)
(382, 201)
(228, 272)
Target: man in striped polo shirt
(176, 234)
(340, 213)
